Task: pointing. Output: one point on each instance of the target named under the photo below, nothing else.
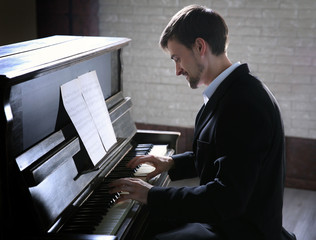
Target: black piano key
(147, 145)
(136, 153)
(142, 149)
(127, 159)
(86, 220)
(80, 229)
(87, 210)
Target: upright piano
(49, 188)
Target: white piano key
(114, 218)
(159, 150)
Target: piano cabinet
(49, 188)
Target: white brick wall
(277, 38)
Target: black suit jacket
(238, 153)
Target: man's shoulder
(247, 90)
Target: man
(238, 148)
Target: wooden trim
(301, 163)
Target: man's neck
(217, 65)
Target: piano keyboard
(100, 214)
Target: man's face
(187, 63)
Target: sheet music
(93, 96)
(85, 105)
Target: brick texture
(277, 38)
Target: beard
(194, 81)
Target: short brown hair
(196, 21)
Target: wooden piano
(48, 187)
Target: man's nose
(178, 69)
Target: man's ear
(200, 45)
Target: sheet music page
(79, 114)
(93, 96)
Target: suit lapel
(207, 112)
(198, 116)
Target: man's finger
(122, 184)
(131, 163)
(152, 174)
(140, 160)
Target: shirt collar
(209, 91)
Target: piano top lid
(41, 54)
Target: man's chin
(193, 84)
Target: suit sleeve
(183, 166)
(243, 137)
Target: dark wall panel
(67, 17)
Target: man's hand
(131, 188)
(137, 189)
(161, 164)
